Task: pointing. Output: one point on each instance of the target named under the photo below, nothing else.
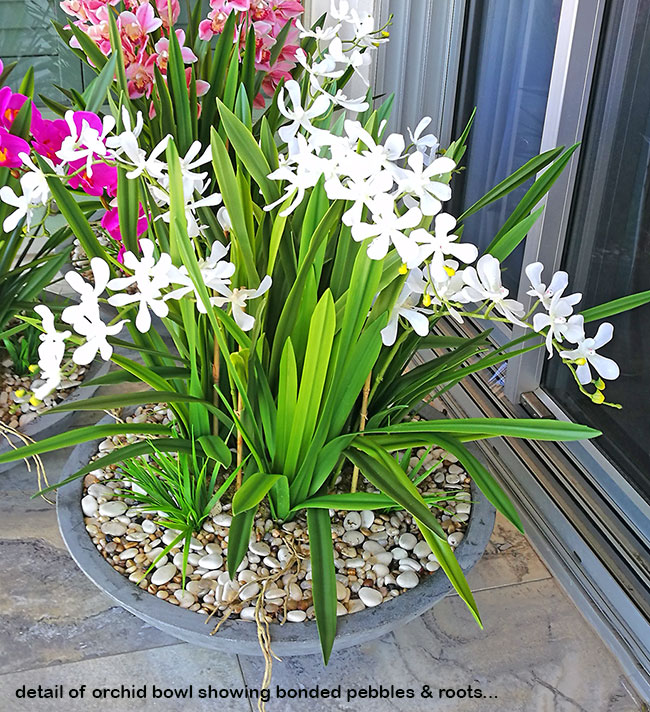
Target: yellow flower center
(403, 269)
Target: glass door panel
(608, 242)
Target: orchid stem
(362, 426)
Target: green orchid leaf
(323, 576)
(253, 491)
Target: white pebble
(370, 596)
(247, 614)
(455, 538)
(185, 598)
(352, 521)
(407, 541)
(408, 579)
(113, 528)
(367, 518)
(296, 616)
(409, 563)
(260, 548)
(163, 574)
(97, 490)
(398, 553)
(353, 537)
(129, 553)
(421, 550)
(222, 520)
(211, 561)
(432, 566)
(385, 557)
(250, 590)
(381, 569)
(112, 509)
(89, 505)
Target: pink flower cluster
(267, 17)
(144, 32)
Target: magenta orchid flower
(10, 147)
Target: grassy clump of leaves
(181, 488)
(22, 348)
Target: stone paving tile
(173, 668)
(536, 654)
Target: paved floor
(536, 654)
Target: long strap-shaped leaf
(449, 564)
(323, 577)
(542, 429)
(483, 479)
(82, 435)
(239, 538)
(379, 468)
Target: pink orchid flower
(140, 76)
(162, 48)
(164, 7)
(104, 178)
(136, 26)
(288, 9)
(10, 147)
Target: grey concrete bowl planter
(240, 636)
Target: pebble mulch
(377, 555)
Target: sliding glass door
(607, 248)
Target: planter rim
(241, 636)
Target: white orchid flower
(353, 105)
(585, 355)
(421, 182)
(365, 33)
(23, 208)
(51, 352)
(215, 271)
(302, 172)
(484, 282)
(387, 228)
(324, 69)
(341, 12)
(237, 298)
(299, 116)
(448, 290)
(351, 58)
(191, 180)
(361, 192)
(150, 276)
(320, 34)
(382, 155)
(426, 144)
(441, 245)
(87, 143)
(224, 219)
(90, 325)
(89, 292)
(406, 307)
(34, 182)
(561, 325)
(559, 283)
